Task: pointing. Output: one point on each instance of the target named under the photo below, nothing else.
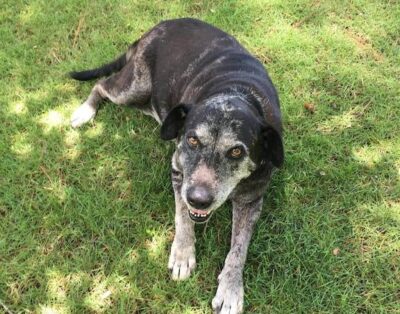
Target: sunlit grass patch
(157, 244)
(105, 292)
(52, 119)
(371, 155)
(19, 108)
(95, 130)
(54, 309)
(21, 145)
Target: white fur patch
(182, 261)
(228, 139)
(229, 297)
(203, 133)
(222, 100)
(83, 114)
(226, 187)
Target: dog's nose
(199, 197)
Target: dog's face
(219, 144)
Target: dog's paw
(229, 297)
(182, 260)
(83, 114)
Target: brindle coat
(219, 104)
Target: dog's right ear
(174, 122)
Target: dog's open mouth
(198, 215)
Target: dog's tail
(105, 69)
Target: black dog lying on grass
(218, 103)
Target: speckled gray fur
(199, 82)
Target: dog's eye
(236, 152)
(193, 141)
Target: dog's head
(219, 143)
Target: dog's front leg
(182, 259)
(229, 297)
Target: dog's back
(203, 61)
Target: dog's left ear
(273, 146)
(174, 122)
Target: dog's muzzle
(199, 198)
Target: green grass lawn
(86, 216)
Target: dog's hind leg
(229, 297)
(86, 112)
(130, 86)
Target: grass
(86, 216)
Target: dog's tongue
(199, 211)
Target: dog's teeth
(197, 215)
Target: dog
(218, 103)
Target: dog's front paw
(182, 260)
(229, 297)
(83, 114)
